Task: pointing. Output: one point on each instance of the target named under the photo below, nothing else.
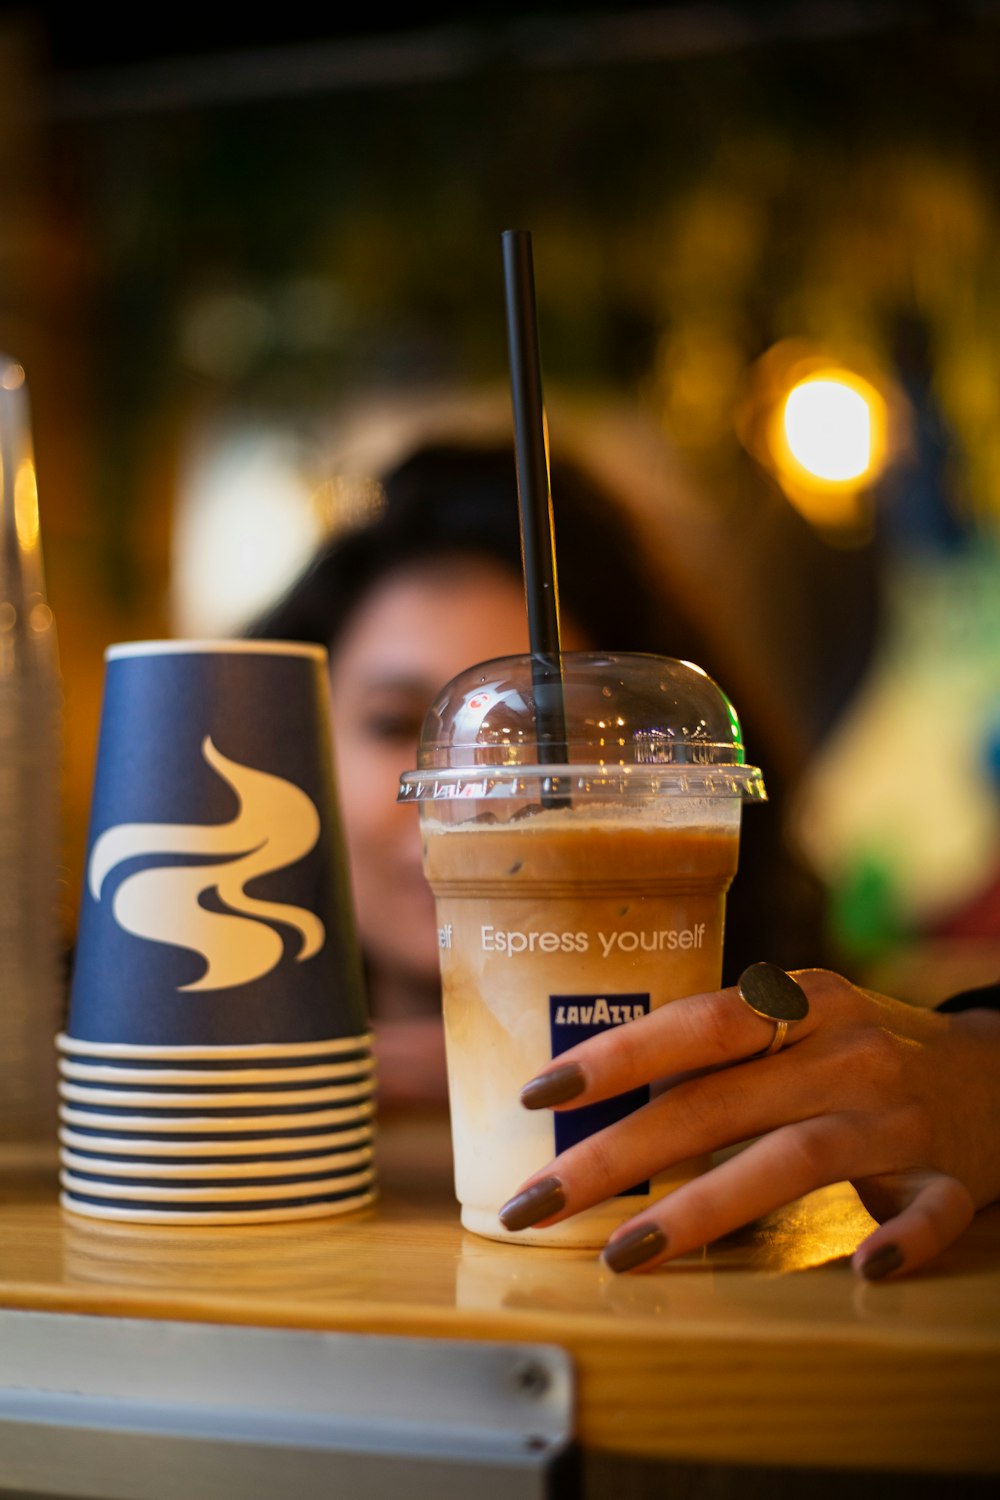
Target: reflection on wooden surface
(691, 1362)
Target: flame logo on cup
(275, 825)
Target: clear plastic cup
(577, 888)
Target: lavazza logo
(599, 1012)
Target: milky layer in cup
(552, 927)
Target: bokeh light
(825, 431)
(828, 428)
(828, 434)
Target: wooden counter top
(763, 1349)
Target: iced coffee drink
(570, 898)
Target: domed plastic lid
(635, 725)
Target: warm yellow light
(825, 431)
(26, 505)
(832, 429)
(828, 428)
(244, 529)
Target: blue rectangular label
(572, 1019)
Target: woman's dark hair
(460, 501)
(454, 500)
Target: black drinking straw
(538, 547)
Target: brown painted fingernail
(882, 1262)
(634, 1248)
(539, 1201)
(554, 1087)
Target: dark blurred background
(244, 261)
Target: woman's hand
(902, 1102)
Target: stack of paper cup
(216, 1066)
(216, 1134)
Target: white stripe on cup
(125, 649)
(251, 1051)
(317, 1073)
(79, 1094)
(208, 1125)
(289, 1168)
(216, 1194)
(140, 1146)
(210, 1218)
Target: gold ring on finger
(774, 995)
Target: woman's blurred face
(418, 628)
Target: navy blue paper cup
(217, 990)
